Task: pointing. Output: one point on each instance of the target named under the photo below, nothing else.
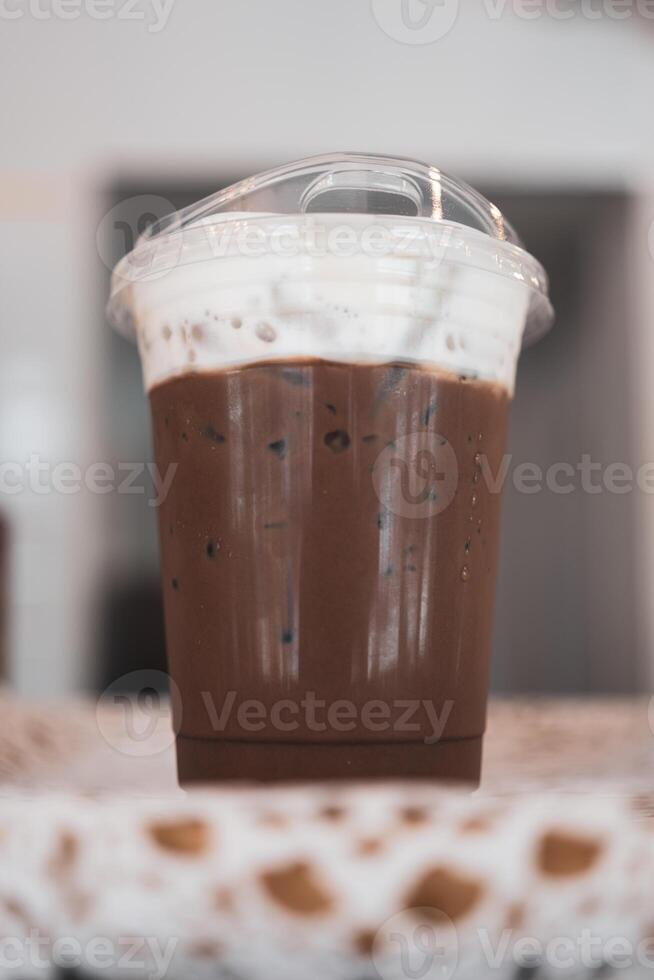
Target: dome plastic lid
(346, 184)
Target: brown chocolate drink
(316, 626)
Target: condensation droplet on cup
(465, 573)
(266, 333)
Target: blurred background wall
(550, 116)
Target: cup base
(217, 760)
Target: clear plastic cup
(330, 350)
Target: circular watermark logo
(416, 944)
(416, 21)
(134, 717)
(122, 226)
(416, 476)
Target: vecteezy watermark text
(35, 951)
(415, 476)
(419, 475)
(587, 475)
(153, 12)
(424, 944)
(426, 21)
(42, 477)
(136, 720)
(316, 235)
(569, 9)
(410, 716)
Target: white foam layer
(455, 308)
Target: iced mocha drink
(329, 540)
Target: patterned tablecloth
(547, 870)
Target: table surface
(530, 744)
(314, 880)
